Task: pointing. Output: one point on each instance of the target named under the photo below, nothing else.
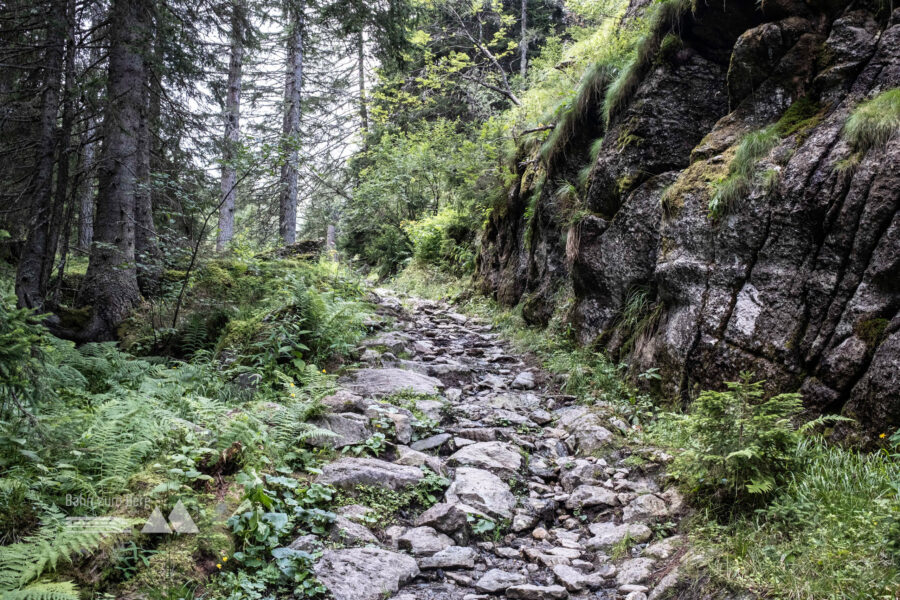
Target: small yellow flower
(224, 559)
(292, 385)
(324, 371)
(292, 395)
(218, 565)
(883, 435)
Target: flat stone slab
(384, 382)
(498, 580)
(610, 534)
(347, 473)
(453, 557)
(364, 573)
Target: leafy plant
(738, 446)
(22, 564)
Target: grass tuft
(730, 190)
(664, 17)
(874, 122)
(576, 112)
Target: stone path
(575, 522)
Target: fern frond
(65, 590)
(59, 540)
(823, 420)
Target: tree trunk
(86, 194)
(110, 284)
(146, 244)
(32, 275)
(232, 127)
(61, 205)
(361, 60)
(287, 215)
(523, 43)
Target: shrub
(874, 121)
(737, 446)
(443, 240)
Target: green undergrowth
(95, 431)
(832, 531)
(782, 512)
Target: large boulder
(364, 573)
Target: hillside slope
(730, 221)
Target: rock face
(798, 280)
(364, 573)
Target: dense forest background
(686, 213)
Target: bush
(737, 447)
(874, 121)
(443, 240)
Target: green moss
(871, 331)
(626, 138)
(625, 183)
(874, 121)
(74, 318)
(240, 332)
(802, 115)
(669, 47)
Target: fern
(65, 590)
(58, 541)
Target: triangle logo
(181, 521)
(156, 523)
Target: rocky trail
(571, 520)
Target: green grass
(639, 315)
(874, 122)
(590, 93)
(728, 192)
(662, 18)
(826, 535)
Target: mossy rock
(800, 117)
(871, 331)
